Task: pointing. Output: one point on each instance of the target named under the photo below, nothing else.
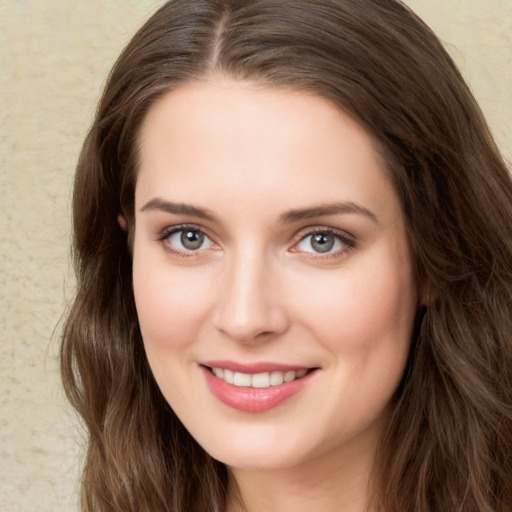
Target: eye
(324, 241)
(187, 239)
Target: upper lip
(256, 367)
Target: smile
(251, 389)
(258, 380)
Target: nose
(250, 308)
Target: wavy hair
(448, 446)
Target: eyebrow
(328, 209)
(289, 217)
(178, 208)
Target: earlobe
(122, 222)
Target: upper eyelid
(311, 230)
(169, 230)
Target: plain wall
(54, 57)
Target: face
(271, 273)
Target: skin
(257, 289)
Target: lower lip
(253, 399)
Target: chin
(271, 446)
(249, 458)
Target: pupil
(192, 240)
(322, 242)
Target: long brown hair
(448, 446)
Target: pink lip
(253, 399)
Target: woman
(294, 258)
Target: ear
(122, 222)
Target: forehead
(273, 145)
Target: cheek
(365, 307)
(170, 304)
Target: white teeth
(229, 376)
(289, 376)
(276, 378)
(242, 379)
(258, 380)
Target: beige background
(54, 56)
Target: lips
(255, 388)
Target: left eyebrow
(327, 209)
(178, 209)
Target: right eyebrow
(348, 207)
(178, 208)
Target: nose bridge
(249, 307)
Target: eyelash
(347, 240)
(168, 232)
